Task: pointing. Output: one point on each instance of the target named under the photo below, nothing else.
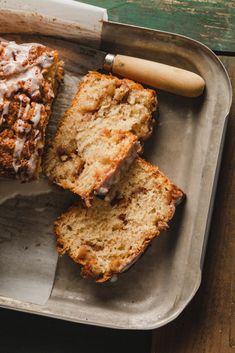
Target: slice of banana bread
(29, 78)
(98, 135)
(108, 237)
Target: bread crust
(88, 259)
(122, 161)
(29, 77)
(93, 112)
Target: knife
(165, 77)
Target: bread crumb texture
(108, 237)
(98, 137)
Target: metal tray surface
(186, 145)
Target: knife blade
(165, 77)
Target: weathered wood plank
(209, 21)
(207, 325)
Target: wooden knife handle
(165, 77)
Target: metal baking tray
(186, 145)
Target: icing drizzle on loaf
(22, 129)
(22, 68)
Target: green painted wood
(210, 21)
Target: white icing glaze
(26, 111)
(45, 61)
(4, 111)
(32, 163)
(20, 127)
(20, 141)
(19, 145)
(19, 72)
(4, 87)
(23, 99)
(51, 93)
(36, 114)
(15, 58)
(5, 108)
(29, 81)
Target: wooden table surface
(207, 325)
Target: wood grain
(208, 324)
(210, 21)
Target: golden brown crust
(87, 258)
(29, 78)
(88, 109)
(133, 84)
(89, 194)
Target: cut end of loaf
(108, 237)
(98, 136)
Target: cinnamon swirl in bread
(98, 136)
(111, 235)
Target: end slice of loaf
(108, 237)
(98, 135)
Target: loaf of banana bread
(29, 78)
